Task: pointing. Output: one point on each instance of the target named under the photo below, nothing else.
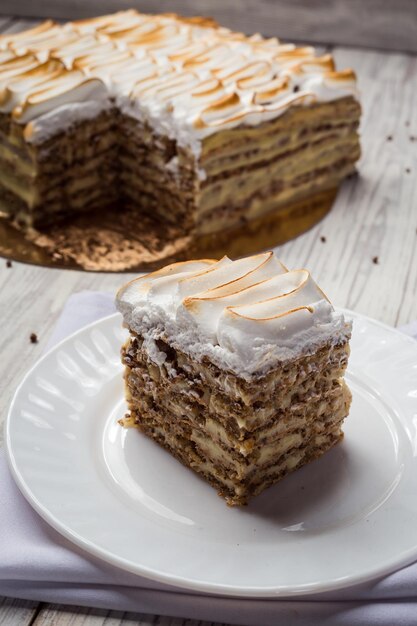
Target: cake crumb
(9, 263)
(407, 170)
(33, 338)
(323, 239)
(389, 138)
(412, 138)
(375, 260)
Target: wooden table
(364, 255)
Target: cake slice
(236, 368)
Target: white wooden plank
(53, 615)
(371, 23)
(17, 612)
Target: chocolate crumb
(296, 88)
(389, 138)
(33, 338)
(323, 239)
(375, 260)
(8, 263)
(412, 138)
(407, 170)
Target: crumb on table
(33, 338)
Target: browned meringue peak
(143, 32)
(286, 55)
(271, 91)
(83, 48)
(265, 42)
(186, 53)
(207, 92)
(292, 290)
(106, 58)
(171, 85)
(195, 20)
(341, 76)
(254, 272)
(70, 86)
(120, 24)
(6, 55)
(324, 63)
(231, 110)
(42, 45)
(14, 91)
(17, 66)
(246, 70)
(92, 24)
(41, 30)
(125, 74)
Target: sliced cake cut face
(178, 118)
(236, 368)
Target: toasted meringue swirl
(188, 77)
(245, 316)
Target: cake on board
(236, 368)
(177, 118)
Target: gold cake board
(113, 241)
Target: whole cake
(236, 368)
(177, 118)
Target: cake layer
(288, 131)
(88, 199)
(286, 170)
(231, 395)
(254, 448)
(279, 195)
(234, 489)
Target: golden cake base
(122, 242)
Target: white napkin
(36, 563)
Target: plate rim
(178, 582)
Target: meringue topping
(187, 76)
(246, 315)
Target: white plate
(341, 520)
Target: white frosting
(246, 316)
(70, 88)
(44, 127)
(188, 78)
